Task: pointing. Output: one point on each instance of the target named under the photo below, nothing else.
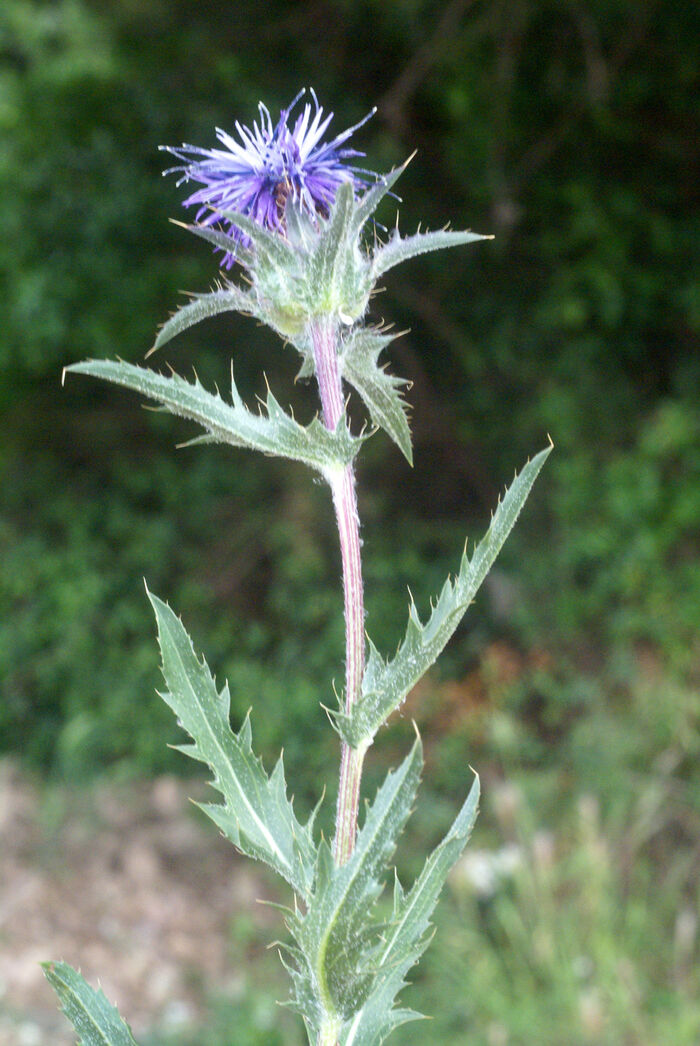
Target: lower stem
(324, 336)
(351, 760)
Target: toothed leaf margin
(94, 1018)
(337, 941)
(407, 935)
(275, 432)
(379, 389)
(386, 684)
(256, 814)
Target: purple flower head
(269, 165)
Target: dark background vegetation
(568, 129)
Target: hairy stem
(324, 335)
(328, 1035)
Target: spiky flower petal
(269, 165)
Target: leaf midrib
(264, 830)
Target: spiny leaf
(412, 911)
(337, 940)
(302, 232)
(94, 1018)
(218, 238)
(370, 200)
(227, 299)
(273, 247)
(407, 935)
(386, 684)
(256, 815)
(277, 433)
(400, 249)
(376, 1021)
(379, 389)
(328, 260)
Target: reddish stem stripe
(325, 338)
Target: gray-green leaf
(223, 241)
(407, 937)
(256, 814)
(400, 249)
(272, 433)
(94, 1018)
(370, 200)
(229, 298)
(386, 684)
(269, 245)
(328, 260)
(337, 941)
(380, 391)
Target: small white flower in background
(483, 871)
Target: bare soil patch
(129, 884)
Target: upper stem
(324, 335)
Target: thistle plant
(294, 216)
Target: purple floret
(257, 175)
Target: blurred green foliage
(562, 128)
(566, 129)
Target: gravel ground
(127, 883)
